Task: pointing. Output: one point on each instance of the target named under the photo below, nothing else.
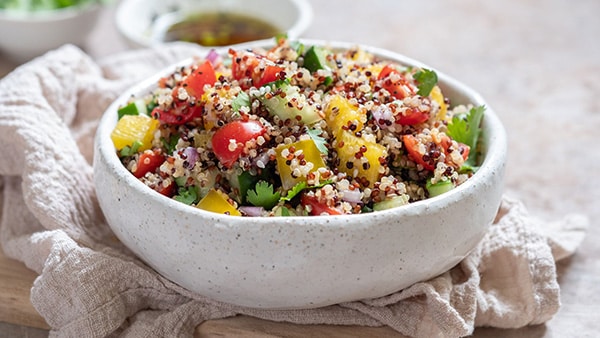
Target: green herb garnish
(426, 80)
(263, 195)
(319, 141)
(466, 128)
(296, 189)
(299, 187)
(170, 144)
(188, 196)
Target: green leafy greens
(426, 79)
(466, 128)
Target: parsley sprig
(466, 128)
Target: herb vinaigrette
(220, 29)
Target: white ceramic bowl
(26, 35)
(141, 21)
(301, 262)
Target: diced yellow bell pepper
(132, 128)
(311, 155)
(341, 113)
(216, 201)
(374, 69)
(358, 157)
(437, 96)
(360, 56)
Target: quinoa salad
(298, 130)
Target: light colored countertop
(537, 64)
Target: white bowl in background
(301, 262)
(142, 22)
(26, 35)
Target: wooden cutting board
(15, 283)
(15, 308)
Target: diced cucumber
(438, 188)
(207, 182)
(137, 107)
(287, 107)
(391, 203)
(298, 47)
(243, 181)
(241, 100)
(180, 181)
(315, 59)
(284, 211)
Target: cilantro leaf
(320, 142)
(241, 100)
(188, 196)
(426, 80)
(466, 128)
(263, 195)
(171, 143)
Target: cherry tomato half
(270, 74)
(317, 207)
(429, 160)
(182, 113)
(168, 191)
(398, 88)
(200, 76)
(413, 116)
(412, 147)
(148, 162)
(228, 142)
(244, 69)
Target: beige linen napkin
(91, 286)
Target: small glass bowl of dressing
(210, 23)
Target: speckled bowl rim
(495, 152)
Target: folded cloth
(89, 285)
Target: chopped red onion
(213, 57)
(261, 160)
(251, 210)
(190, 156)
(352, 196)
(383, 116)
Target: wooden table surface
(537, 63)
